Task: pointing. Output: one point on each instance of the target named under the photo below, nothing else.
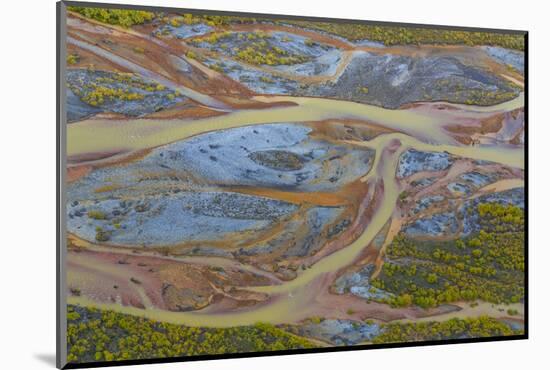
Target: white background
(27, 206)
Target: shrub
(97, 215)
(114, 336)
(455, 328)
(392, 35)
(120, 17)
(102, 236)
(512, 311)
(431, 278)
(439, 272)
(73, 59)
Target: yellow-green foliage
(98, 335)
(498, 214)
(97, 215)
(73, 59)
(390, 35)
(121, 17)
(266, 79)
(488, 265)
(99, 94)
(484, 97)
(217, 67)
(101, 235)
(478, 327)
(174, 22)
(72, 315)
(256, 50)
(258, 54)
(213, 37)
(215, 20)
(132, 80)
(316, 320)
(106, 189)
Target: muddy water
(295, 300)
(93, 136)
(502, 185)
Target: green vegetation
(109, 88)
(266, 79)
(73, 59)
(215, 20)
(218, 67)
(99, 335)
(390, 35)
(102, 235)
(97, 215)
(128, 78)
(99, 94)
(105, 189)
(471, 96)
(270, 56)
(174, 22)
(212, 38)
(191, 54)
(73, 316)
(253, 48)
(210, 20)
(455, 328)
(316, 320)
(120, 17)
(487, 266)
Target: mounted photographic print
(236, 185)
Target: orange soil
(74, 173)
(296, 197)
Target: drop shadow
(46, 358)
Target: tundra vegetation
(73, 59)
(114, 87)
(255, 48)
(391, 35)
(102, 335)
(210, 20)
(487, 266)
(119, 17)
(479, 327)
